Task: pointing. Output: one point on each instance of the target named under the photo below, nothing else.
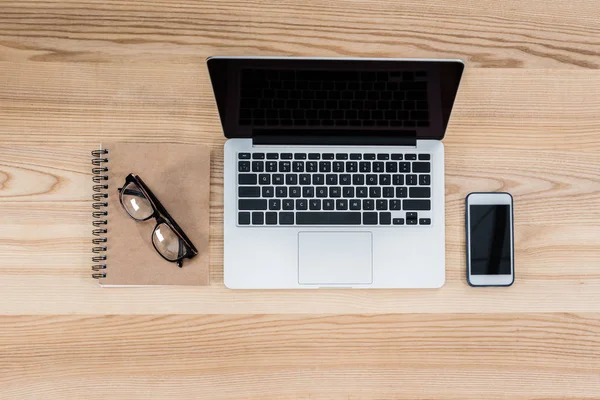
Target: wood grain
(516, 34)
(459, 356)
(75, 73)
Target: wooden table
(526, 120)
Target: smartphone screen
(490, 252)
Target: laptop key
(286, 218)
(370, 218)
(395, 205)
(278, 179)
(385, 179)
(419, 192)
(291, 179)
(248, 191)
(327, 156)
(416, 205)
(304, 179)
(271, 218)
(358, 179)
(385, 218)
(381, 205)
(331, 179)
(425, 221)
(271, 166)
(378, 166)
(314, 156)
(287, 204)
(300, 156)
(258, 156)
(338, 166)
(351, 166)
(424, 156)
(411, 179)
(244, 166)
(318, 179)
(328, 218)
(325, 166)
(258, 218)
(312, 166)
(391, 166)
(355, 156)
(362, 191)
(345, 179)
(348, 192)
(411, 222)
(315, 204)
(365, 166)
(295, 191)
(301, 204)
(404, 167)
(411, 215)
(258, 166)
(398, 221)
(369, 156)
(355, 204)
(397, 157)
(388, 192)
(298, 166)
(272, 156)
(422, 167)
(285, 166)
(285, 156)
(281, 191)
(425, 180)
(247, 179)
(252, 204)
(335, 191)
(371, 179)
(341, 156)
(308, 192)
(341, 204)
(410, 157)
(275, 204)
(244, 156)
(328, 204)
(321, 191)
(264, 179)
(368, 205)
(268, 191)
(401, 192)
(244, 218)
(374, 192)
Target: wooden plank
(463, 356)
(530, 34)
(88, 103)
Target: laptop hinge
(334, 137)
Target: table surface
(526, 120)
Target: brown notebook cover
(179, 176)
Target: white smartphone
(490, 239)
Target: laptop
(334, 170)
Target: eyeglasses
(168, 238)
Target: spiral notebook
(179, 176)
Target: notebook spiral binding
(99, 161)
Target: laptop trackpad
(342, 258)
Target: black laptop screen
(358, 95)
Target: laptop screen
(286, 95)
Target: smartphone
(490, 239)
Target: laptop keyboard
(294, 189)
(333, 98)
